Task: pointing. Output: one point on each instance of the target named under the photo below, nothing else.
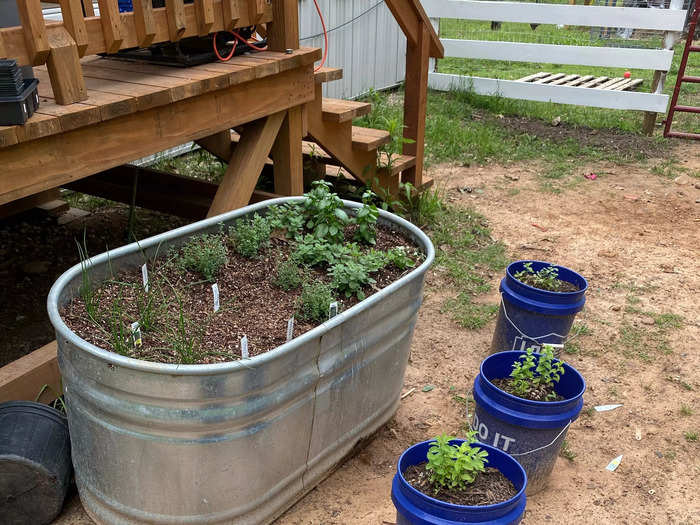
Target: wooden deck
(134, 109)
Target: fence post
(657, 82)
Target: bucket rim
(568, 369)
(528, 287)
(453, 506)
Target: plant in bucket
(524, 405)
(448, 480)
(539, 302)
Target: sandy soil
(635, 236)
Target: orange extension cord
(243, 40)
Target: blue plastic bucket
(415, 508)
(529, 316)
(125, 6)
(530, 431)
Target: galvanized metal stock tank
(235, 442)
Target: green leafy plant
(288, 217)
(313, 251)
(422, 208)
(366, 219)
(399, 258)
(204, 254)
(325, 217)
(386, 153)
(288, 276)
(546, 278)
(531, 373)
(316, 298)
(251, 235)
(349, 277)
(455, 466)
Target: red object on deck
(689, 48)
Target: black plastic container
(35, 463)
(16, 110)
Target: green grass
(198, 164)
(629, 121)
(691, 437)
(686, 410)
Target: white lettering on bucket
(483, 432)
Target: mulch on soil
(488, 488)
(251, 305)
(535, 394)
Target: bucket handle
(525, 336)
(566, 427)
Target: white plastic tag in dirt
(144, 274)
(215, 291)
(605, 408)
(244, 347)
(333, 310)
(290, 329)
(136, 333)
(614, 464)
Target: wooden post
(246, 164)
(64, 68)
(231, 13)
(34, 31)
(73, 20)
(111, 25)
(256, 9)
(218, 144)
(144, 21)
(88, 8)
(415, 102)
(283, 34)
(205, 16)
(176, 18)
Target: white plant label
(605, 408)
(215, 291)
(136, 333)
(290, 329)
(614, 464)
(333, 310)
(144, 274)
(244, 347)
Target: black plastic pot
(35, 463)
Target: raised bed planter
(235, 442)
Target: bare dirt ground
(636, 237)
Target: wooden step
(398, 162)
(338, 110)
(367, 139)
(328, 74)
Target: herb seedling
(546, 278)
(531, 373)
(288, 275)
(204, 254)
(325, 216)
(316, 298)
(455, 466)
(251, 235)
(366, 219)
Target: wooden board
(30, 168)
(24, 378)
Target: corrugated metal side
(371, 50)
(235, 442)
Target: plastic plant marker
(638, 434)
(144, 274)
(244, 347)
(333, 310)
(614, 463)
(605, 408)
(290, 329)
(215, 292)
(136, 333)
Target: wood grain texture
(287, 155)
(204, 10)
(231, 14)
(88, 8)
(23, 379)
(283, 31)
(176, 19)
(33, 167)
(256, 10)
(144, 22)
(246, 164)
(112, 30)
(72, 13)
(64, 69)
(34, 29)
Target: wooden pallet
(583, 81)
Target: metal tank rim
(62, 330)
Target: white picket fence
(670, 21)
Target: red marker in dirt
(627, 74)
